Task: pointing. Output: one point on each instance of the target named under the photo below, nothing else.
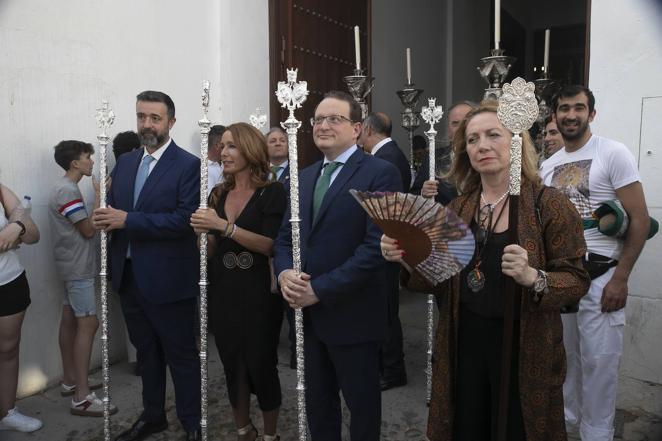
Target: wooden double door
(317, 38)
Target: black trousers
(478, 380)
(352, 369)
(392, 354)
(164, 334)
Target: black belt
(598, 258)
(596, 265)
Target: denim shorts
(79, 295)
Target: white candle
(497, 23)
(408, 66)
(546, 60)
(357, 48)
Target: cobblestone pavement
(404, 413)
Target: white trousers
(593, 344)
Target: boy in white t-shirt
(591, 170)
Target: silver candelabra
(360, 86)
(544, 89)
(410, 117)
(494, 70)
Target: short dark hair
(379, 122)
(154, 96)
(125, 142)
(276, 129)
(70, 150)
(471, 104)
(419, 142)
(215, 132)
(355, 113)
(573, 90)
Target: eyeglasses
(332, 120)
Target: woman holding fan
(546, 265)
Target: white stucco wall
(58, 60)
(626, 61)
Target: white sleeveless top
(10, 267)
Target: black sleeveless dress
(244, 316)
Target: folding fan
(435, 240)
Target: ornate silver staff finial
(258, 119)
(291, 95)
(204, 125)
(518, 110)
(105, 118)
(431, 115)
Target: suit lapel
(166, 161)
(285, 176)
(348, 169)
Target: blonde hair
(253, 147)
(463, 175)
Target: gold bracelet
(228, 228)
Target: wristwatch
(22, 225)
(539, 287)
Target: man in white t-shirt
(591, 170)
(214, 166)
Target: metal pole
(105, 118)
(204, 124)
(291, 95)
(431, 115)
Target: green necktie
(274, 171)
(322, 185)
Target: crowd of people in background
(566, 302)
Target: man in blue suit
(376, 140)
(154, 262)
(341, 287)
(278, 155)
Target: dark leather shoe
(141, 429)
(193, 435)
(387, 383)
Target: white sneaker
(92, 384)
(90, 406)
(19, 422)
